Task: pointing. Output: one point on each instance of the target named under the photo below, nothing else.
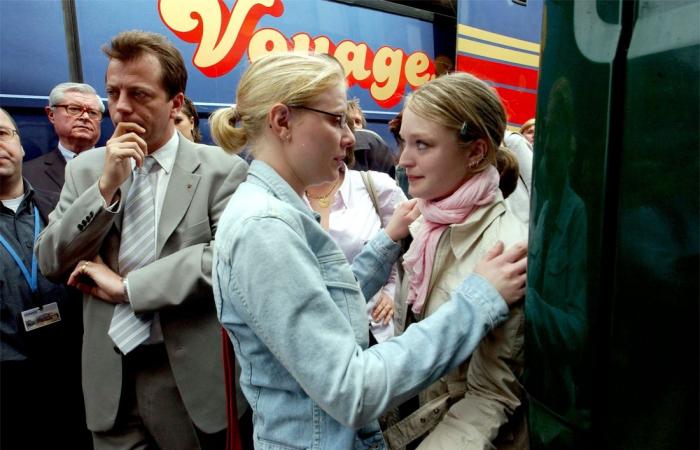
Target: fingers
(495, 251)
(516, 252)
(123, 128)
(79, 270)
(120, 150)
(414, 212)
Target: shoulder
(90, 160)
(214, 157)
(39, 161)
(518, 144)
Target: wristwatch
(126, 290)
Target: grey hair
(58, 92)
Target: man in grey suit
(75, 110)
(164, 388)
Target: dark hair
(508, 170)
(130, 45)
(350, 152)
(190, 110)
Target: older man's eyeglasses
(341, 119)
(77, 111)
(7, 133)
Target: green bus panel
(653, 387)
(612, 301)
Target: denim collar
(261, 174)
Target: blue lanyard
(31, 279)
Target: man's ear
(178, 100)
(49, 113)
(279, 121)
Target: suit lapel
(181, 188)
(55, 168)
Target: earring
(473, 163)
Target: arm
(65, 240)
(352, 385)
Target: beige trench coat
(478, 405)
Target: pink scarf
(437, 215)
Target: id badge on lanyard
(43, 315)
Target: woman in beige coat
(452, 128)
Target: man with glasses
(40, 394)
(75, 110)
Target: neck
(77, 147)
(11, 188)
(326, 189)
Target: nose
(405, 159)
(348, 138)
(121, 104)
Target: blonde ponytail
(225, 132)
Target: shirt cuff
(486, 297)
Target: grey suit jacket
(177, 284)
(46, 172)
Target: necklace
(324, 201)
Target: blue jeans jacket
(295, 311)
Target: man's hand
(404, 214)
(507, 272)
(124, 144)
(98, 280)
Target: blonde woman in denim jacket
(292, 306)
(451, 130)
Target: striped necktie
(138, 248)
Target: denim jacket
(295, 312)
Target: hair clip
(464, 130)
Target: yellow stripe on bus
(497, 53)
(496, 38)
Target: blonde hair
(467, 105)
(293, 79)
(527, 125)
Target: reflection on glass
(557, 350)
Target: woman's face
(529, 134)
(435, 164)
(185, 124)
(319, 139)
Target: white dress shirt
(353, 221)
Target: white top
(353, 222)
(519, 201)
(13, 203)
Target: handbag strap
(369, 185)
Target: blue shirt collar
(261, 174)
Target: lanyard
(31, 279)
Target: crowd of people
(358, 318)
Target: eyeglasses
(341, 118)
(7, 133)
(77, 111)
